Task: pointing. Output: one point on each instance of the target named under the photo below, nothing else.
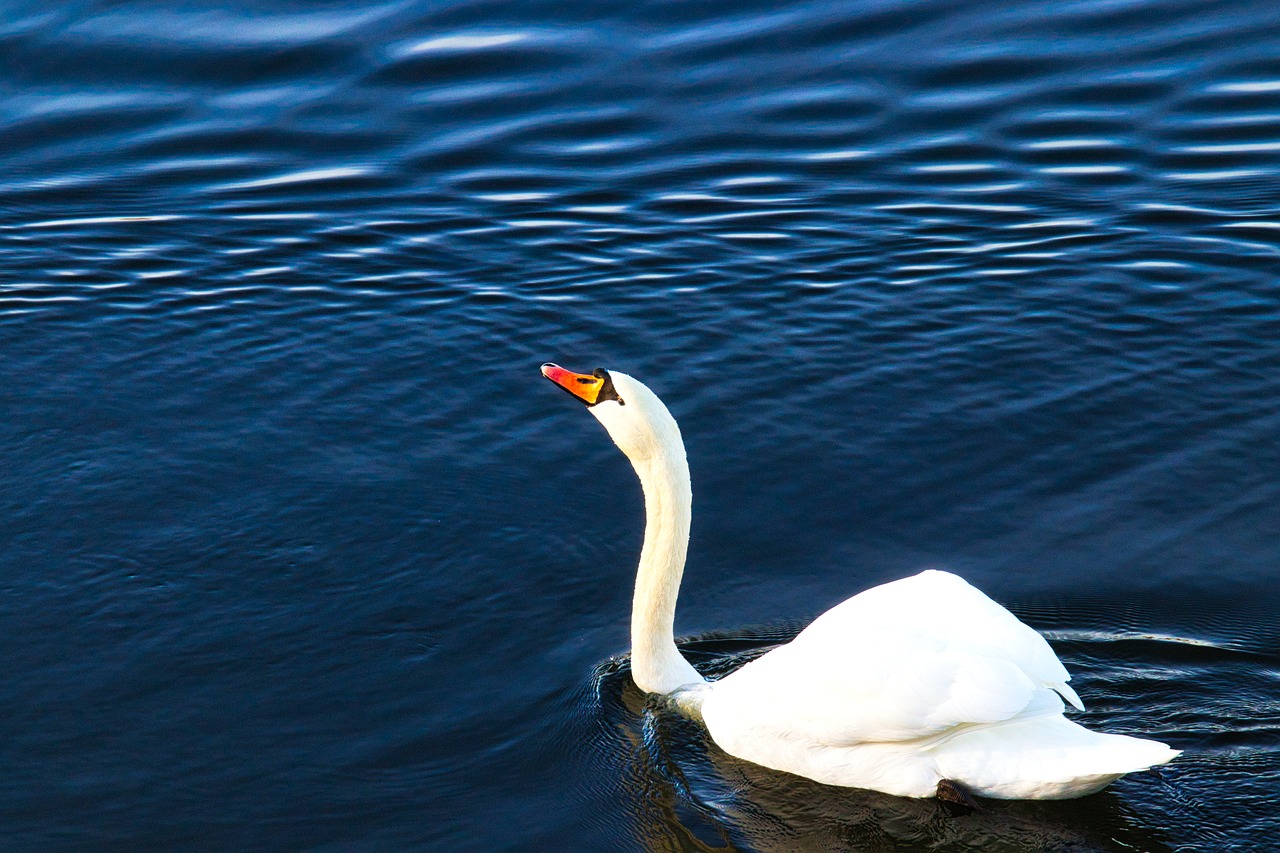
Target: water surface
(301, 553)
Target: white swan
(919, 687)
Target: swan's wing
(946, 606)
(906, 660)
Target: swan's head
(635, 418)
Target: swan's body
(898, 688)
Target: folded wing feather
(907, 660)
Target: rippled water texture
(301, 553)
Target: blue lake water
(301, 553)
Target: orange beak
(583, 386)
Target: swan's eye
(607, 391)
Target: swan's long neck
(656, 664)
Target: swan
(920, 687)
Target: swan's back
(918, 680)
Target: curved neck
(656, 664)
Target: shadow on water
(684, 793)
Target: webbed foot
(955, 797)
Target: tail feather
(1044, 757)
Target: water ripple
(976, 285)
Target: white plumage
(916, 681)
(896, 689)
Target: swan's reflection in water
(689, 795)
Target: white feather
(912, 682)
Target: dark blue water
(301, 553)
